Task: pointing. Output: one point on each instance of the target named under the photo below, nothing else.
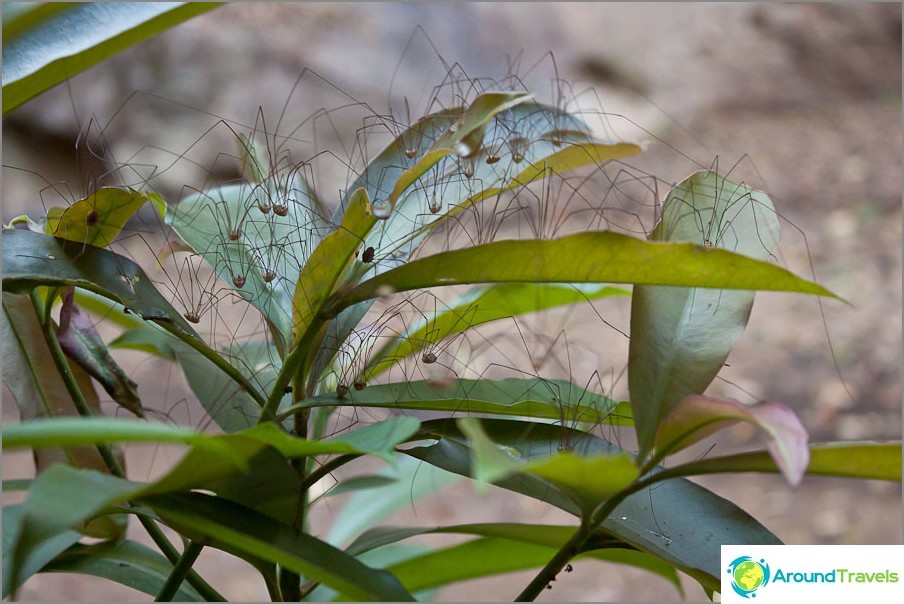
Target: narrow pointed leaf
(329, 261)
(870, 460)
(695, 417)
(128, 563)
(530, 397)
(681, 336)
(481, 305)
(245, 533)
(68, 42)
(592, 257)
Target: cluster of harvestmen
(592, 199)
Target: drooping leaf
(681, 336)
(676, 520)
(378, 438)
(871, 460)
(83, 345)
(491, 556)
(33, 560)
(481, 305)
(97, 219)
(243, 532)
(32, 259)
(127, 562)
(695, 417)
(60, 499)
(591, 257)
(526, 397)
(64, 43)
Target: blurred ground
(807, 96)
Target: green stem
(180, 572)
(312, 478)
(113, 465)
(548, 573)
(574, 545)
(290, 582)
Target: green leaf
(681, 336)
(481, 305)
(34, 382)
(147, 337)
(676, 520)
(255, 164)
(491, 462)
(74, 431)
(80, 341)
(412, 480)
(547, 140)
(527, 397)
(588, 481)
(32, 259)
(543, 540)
(58, 47)
(226, 401)
(22, 16)
(245, 533)
(128, 563)
(328, 262)
(870, 460)
(695, 417)
(33, 560)
(463, 137)
(255, 236)
(591, 257)
(60, 499)
(360, 483)
(97, 219)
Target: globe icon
(748, 575)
